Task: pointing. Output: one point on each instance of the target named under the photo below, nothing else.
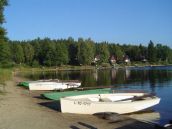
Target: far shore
(86, 67)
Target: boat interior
(130, 97)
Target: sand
(21, 109)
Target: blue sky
(118, 21)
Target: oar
(135, 98)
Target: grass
(5, 75)
(25, 68)
(43, 68)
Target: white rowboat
(53, 85)
(50, 84)
(120, 103)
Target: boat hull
(70, 105)
(52, 85)
(58, 95)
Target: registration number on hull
(82, 103)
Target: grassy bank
(23, 68)
(42, 68)
(26, 68)
(5, 75)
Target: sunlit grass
(5, 75)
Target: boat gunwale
(112, 102)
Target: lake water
(152, 79)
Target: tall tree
(60, 54)
(3, 3)
(143, 52)
(17, 53)
(85, 51)
(4, 46)
(152, 52)
(28, 53)
(37, 51)
(170, 56)
(163, 52)
(117, 51)
(47, 52)
(72, 51)
(103, 51)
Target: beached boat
(58, 95)
(51, 84)
(120, 103)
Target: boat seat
(105, 100)
(95, 99)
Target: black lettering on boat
(82, 103)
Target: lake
(157, 79)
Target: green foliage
(17, 53)
(152, 53)
(35, 63)
(105, 65)
(47, 52)
(85, 51)
(163, 52)
(72, 51)
(117, 51)
(103, 51)
(6, 64)
(3, 3)
(61, 55)
(5, 53)
(5, 75)
(170, 57)
(143, 52)
(28, 53)
(4, 46)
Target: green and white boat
(24, 84)
(58, 95)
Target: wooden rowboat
(50, 84)
(58, 95)
(120, 103)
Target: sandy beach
(21, 109)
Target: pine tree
(103, 51)
(28, 53)
(4, 46)
(85, 51)
(17, 53)
(152, 52)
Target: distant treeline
(47, 52)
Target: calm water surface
(152, 79)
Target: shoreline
(23, 109)
(79, 68)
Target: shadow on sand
(54, 105)
(84, 125)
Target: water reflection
(114, 77)
(113, 73)
(95, 74)
(127, 73)
(152, 79)
(150, 117)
